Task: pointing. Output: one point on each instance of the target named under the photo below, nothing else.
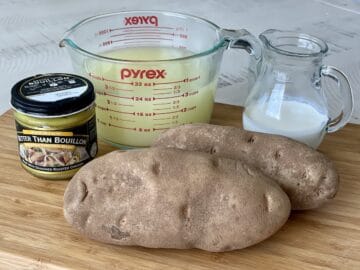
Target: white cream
(297, 120)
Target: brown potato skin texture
(308, 177)
(170, 198)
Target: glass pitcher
(287, 98)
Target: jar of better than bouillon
(55, 124)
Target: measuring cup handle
(347, 97)
(243, 39)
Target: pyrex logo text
(134, 20)
(142, 73)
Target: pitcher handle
(347, 97)
(243, 39)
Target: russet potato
(170, 198)
(307, 176)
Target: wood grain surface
(35, 235)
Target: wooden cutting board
(35, 235)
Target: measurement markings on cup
(117, 126)
(112, 95)
(180, 81)
(154, 129)
(161, 109)
(167, 118)
(156, 30)
(101, 78)
(143, 42)
(165, 88)
(166, 97)
(161, 93)
(144, 34)
(113, 88)
(185, 80)
(183, 110)
(111, 110)
(170, 97)
(141, 38)
(186, 94)
(114, 103)
(101, 122)
(140, 27)
(162, 124)
(134, 98)
(107, 31)
(162, 104)
(114, 118)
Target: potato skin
(169, 198)
(308, 177)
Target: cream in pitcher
(299, 121)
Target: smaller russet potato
(170, 198)
(307, 176)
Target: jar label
(57, 151)
(52, 89)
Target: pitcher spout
(293, 43)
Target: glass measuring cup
(288, 98)
(152, 70)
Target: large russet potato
(308, 177)
(170, 198)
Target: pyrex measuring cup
(151, 70)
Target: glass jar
(55, 124)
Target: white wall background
(31, 29)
